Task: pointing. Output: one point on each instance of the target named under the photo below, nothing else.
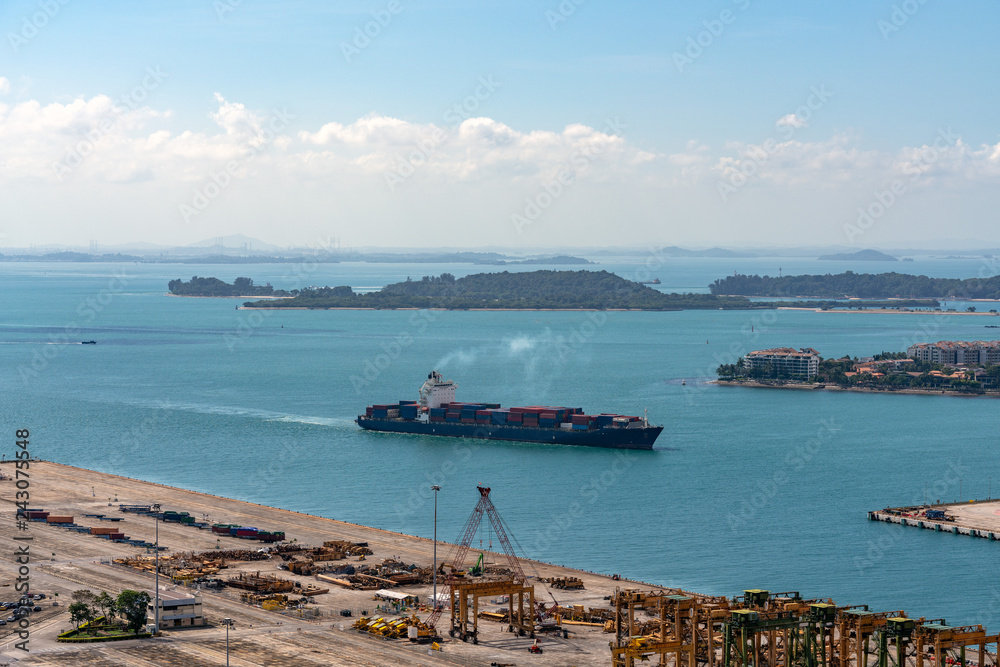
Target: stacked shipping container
(543, 416)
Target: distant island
(860, 285)
(531, 290)
(860, 256)
(490, 258)
(557, 259)
(720, 253)
(547, 289)
(217, 288)
(324, 257)
(69, 256)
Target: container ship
(437, 413)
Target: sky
(500, 124)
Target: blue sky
(783, 126)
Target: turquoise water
(747, 488)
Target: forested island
(562, 290)
(218, 288)
(861, 285)
(528, 290)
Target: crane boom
(484, 506)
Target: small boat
(654, 281)
(88, 342)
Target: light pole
(228, 622)
(156, 608)
(435, 489)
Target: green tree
(243, 285)
(105, 604)
(80, 612)
(133, 607)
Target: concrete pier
(975, 518)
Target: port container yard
(603, 620)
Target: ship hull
(611, 438)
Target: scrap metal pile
(260, 583)
(370, 577)
(567, 583)
(190, 565)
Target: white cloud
(791, 120)
(4, 85)
(480, 170)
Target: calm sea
(747, 488)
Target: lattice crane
(484, 506)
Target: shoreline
(201, 296)
(801, 386)
(869, 311)
(482, 310)
(883, 311)
(82, 473)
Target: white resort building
(957, 352)
(801, 364)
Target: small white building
(178, 609)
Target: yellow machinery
(464, 592)
(855, 628)
(418, 631)
(673, 635)
(951, 643)
(394, 629)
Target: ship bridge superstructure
(436, 391)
